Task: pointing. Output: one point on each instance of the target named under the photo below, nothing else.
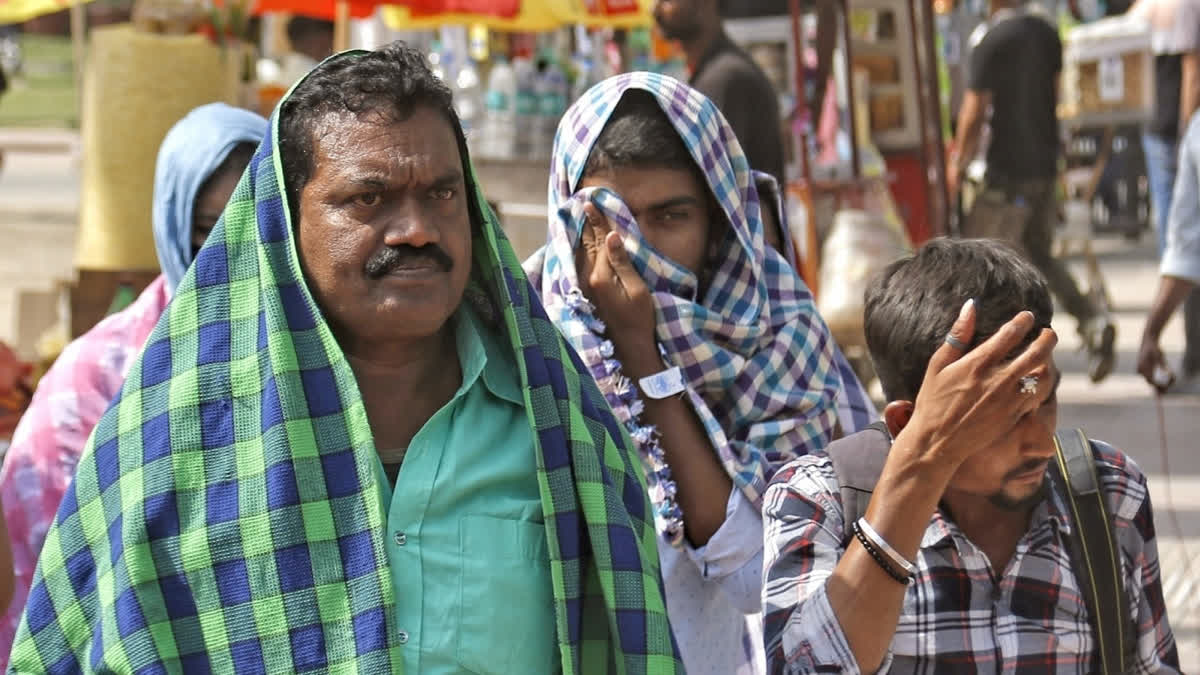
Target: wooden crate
(1136, 93)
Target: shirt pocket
(506, 621)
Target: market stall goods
(168, 17)
(860, 244)
(1108, 71)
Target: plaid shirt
(956, 618)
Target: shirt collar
(481, 355)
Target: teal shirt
(466, 541)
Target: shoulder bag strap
(1094, 553)
(858, 461)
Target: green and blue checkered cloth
(224, 517)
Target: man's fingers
(956, 341)
(598, 221)
(1034, 362)
(1036, 356)
(621, 265)
(585, 255)
(1152, 365)
(999, 346)
(601, 275)
(1150, 357)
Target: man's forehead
(421, 126)
(378, 142)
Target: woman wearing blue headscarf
(199, 164)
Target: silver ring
(1029, 384)
(955, 342)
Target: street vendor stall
(136, 81)
(892, 42)
(868, 175)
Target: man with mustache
(354, 442)
(961, 560)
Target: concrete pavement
(39, 195)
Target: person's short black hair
(300, 27)
(237, 160)
(383, 86)
(911, 306)
(639, 134)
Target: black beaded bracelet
(878, 556)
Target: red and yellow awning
(20, 11)
(517, 15)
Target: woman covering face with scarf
(703, 340)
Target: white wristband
(880, 543)
(663, 384)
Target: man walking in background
(311, 42)
(1175, 38)
(1179, 275)
(1014, 71)
(727, 75)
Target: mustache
(391, 258)
(1031, 465)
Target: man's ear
(896, 415)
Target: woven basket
(136, 86)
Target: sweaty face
(678, 19)
(670, 206)
(211, 201)
(1012, 473)
(384, 228)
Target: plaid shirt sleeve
(1133, 517)
(803, 534)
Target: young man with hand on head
(962, 560)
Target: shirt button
(400, 538)
(403, 638)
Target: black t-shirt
(1018, 61)
(1168, 80)
(742, 92)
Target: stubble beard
(1002, 500)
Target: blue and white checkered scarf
(756, 357)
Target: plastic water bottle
(526, 111)
(585, 76)
(468, 102)
(435, 61)
(552, 90)
(500, 123)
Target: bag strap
(858, 461)
(1095, 557)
